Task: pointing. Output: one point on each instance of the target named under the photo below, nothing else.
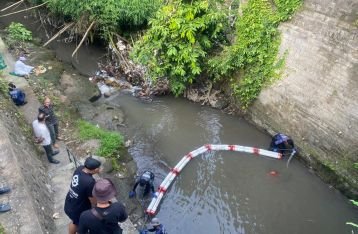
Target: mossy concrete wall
(23, 171)
(316, 101)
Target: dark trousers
(49, 152)
(53, 128)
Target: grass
(2, 229)
(111, 142)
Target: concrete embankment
(22, 169)
(316, 100)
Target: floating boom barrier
(154, 204)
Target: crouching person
(282, 144)
(17, 95)
(104, 218)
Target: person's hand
(154, 195)
(38, 140)
(131, 194)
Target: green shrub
(17, 32)
(3, 84)
(178, 42)
(254, 52)
(111, 142)
(2, 229)
(286, 8)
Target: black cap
(92, 163)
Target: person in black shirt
(104, 218)
(51, 120)
(79, 197)
(145, 181)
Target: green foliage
(178, 42)
(111, 142)
(2, 229)
(108, 14)
(3, 84)
(351, 223)
(355, 165)
(18, 33)
(255, 50)
(286, 8)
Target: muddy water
(227, 192)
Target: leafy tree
(178, 42)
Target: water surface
(227, 192)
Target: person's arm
(152, 187)
(89, 193)
(42, 110)
(135, 185)
(123, 214)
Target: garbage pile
(123, 74)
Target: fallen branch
(116, 51)
(83, 38)
(122, 38)
(27, 9)
(16, 3)
(59, 33)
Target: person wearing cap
(145, 181)
(105, 216)
(43, 138)
(21, 69)
(157, 227)
(79, 197)
(282, 144)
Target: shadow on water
(227, 192)
(218, 192)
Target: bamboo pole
(16, 3)
(117, 51)
(27, 9)
(59, 33)
(83, 38)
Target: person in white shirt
(21, 69)
(43, 137)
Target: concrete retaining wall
(316, 101)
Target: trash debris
(39, 70)
(56, 215)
